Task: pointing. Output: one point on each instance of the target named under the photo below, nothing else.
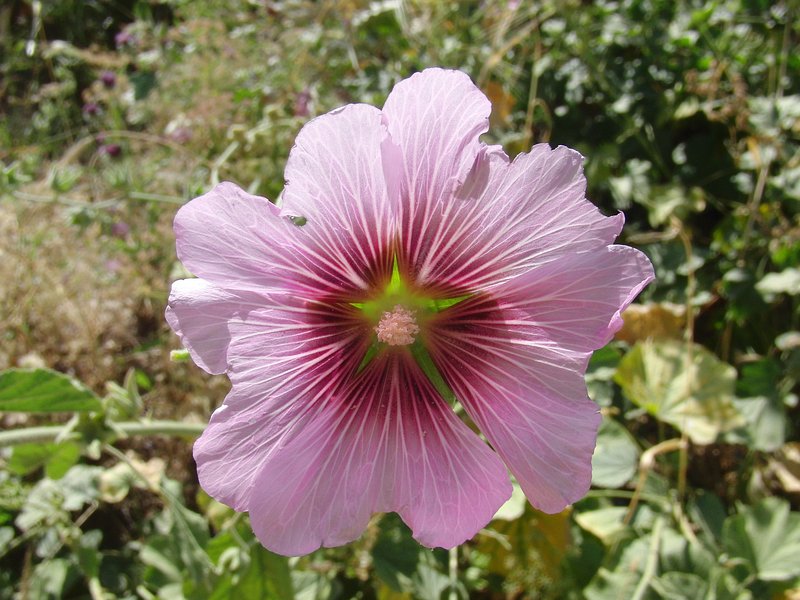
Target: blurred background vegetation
(115, 112)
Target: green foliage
(685, 386)
(687, 113)
(616, 456)
(766, 537)
(42, 390)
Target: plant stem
(652, 559)
(646, 462)
(453, 572)
(688, 336)
(50, 433)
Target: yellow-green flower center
(398, 317)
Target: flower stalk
(50, 433)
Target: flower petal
(239, 241)
(232, 450)
(335, 179)
(388, 443)
(509, 217)
(576, 301)
(199, 312)
(526, 395)
(285, 358)
(435, 118)
(516, 360)
(232, 239)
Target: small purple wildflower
(181, 135)
(120, 229)
(112, 150)
(108, 79)
(124, 38)
(91, 109)
(301, 103)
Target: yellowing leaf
(662, 320)
(683, 385)
(535, 541)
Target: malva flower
(409, 267)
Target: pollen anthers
(397, 327)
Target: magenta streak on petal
(434, 118)
(286, 360)
(340, 187)
(517, 365)
(388, 443)
(518, 216)
(238, 241)
(528, 398)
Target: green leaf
(707, 512)
(43, 390)
(395, 555)
(6, 535)
(311, 585)
(607, 524)
(616, 456)
(514, 507)
(680, 586)
(683, 385)
(51, 501)
(268, 576)
(767, 537)
(57, 459)
(761, 406)
(404, 565)
(619, 580)
(785, 282)
(52, 579)
(527, 550)
(88, 554)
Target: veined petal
(335, 179)
(525, 393)
(388, 443)
(435, 118)
(232, 239)
(510, 217)
(239, 241)
(199, 312)
(285, 360)
(576, 301)
(235, 444)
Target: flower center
(397, 327)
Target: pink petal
(435, 118)
(335, 179)
(388, 443)
(232, 238)
(512, 216)
(285, 360)
(525, 394)
(239, 241)
(233, 448)
(576, 301)
(516, 360)
(199, 313)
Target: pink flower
(429, 266)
